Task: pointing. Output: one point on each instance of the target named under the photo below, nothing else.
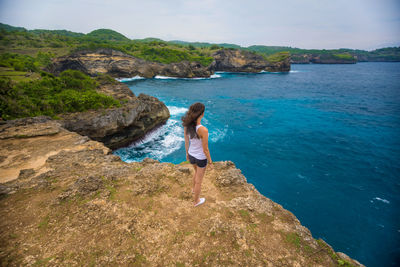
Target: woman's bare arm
(186, 141)
(203, 131)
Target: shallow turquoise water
(323, 141)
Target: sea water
(322, 140)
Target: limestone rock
(230, 177)
(83, 186)
(119, 64)
(118, 127)
(138, 213)
(238, 61)
(246, 61)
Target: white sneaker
(202, 199)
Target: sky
(319, 24)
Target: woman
(196, 145)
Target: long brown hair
(190, 118)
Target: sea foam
(156, 144)
(213, 76)
(382, 199)
(176, 110)
(137, 77)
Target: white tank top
(196, 146)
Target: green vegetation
(18, 76)
(277, 57)
(384, 54)
(106, 35)
(293, 238)
(244, 213)
(44, 223)
(333, 255)
(168, 55)
(27, 90)
(344, 56)
(62, 42)
(72, 91)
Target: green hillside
(62, 42)
(9, 28)
(107, 35)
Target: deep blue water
(323, 141)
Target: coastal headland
(65, 199)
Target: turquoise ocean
(322, 140)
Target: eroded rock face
(321, 59)
(118, 127)
(245, 61)
(281, 66)
(119, 64)
(238, 61)
(71, 190)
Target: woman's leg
(194, 175)
(197, 187)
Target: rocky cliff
(245, 61)
(118, 127)
(67, 200)
(119, 64)
(321, 59)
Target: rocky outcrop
(238, 61)
(328, 59)
(279, 66)
(119, 64)
(244, 61)
(118, 127)
(321, 59)
(59, 190)
(300, 59)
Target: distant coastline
(63, 42)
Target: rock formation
(119, 64)
(118, 127)
(320, 59)
(238, 61)
(245, 61)
(67, 200)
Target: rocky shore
(121, 65)
(67, 200)
(118, 127)
(245, 61)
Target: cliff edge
(67, 200)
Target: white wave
(218, 134)
(213, 76)
(176, 110)
(165, 77)
(294, 71)
(159, 143)
(137, 77)
(382, 199)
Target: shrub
(73, 91)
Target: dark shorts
(200, 162)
